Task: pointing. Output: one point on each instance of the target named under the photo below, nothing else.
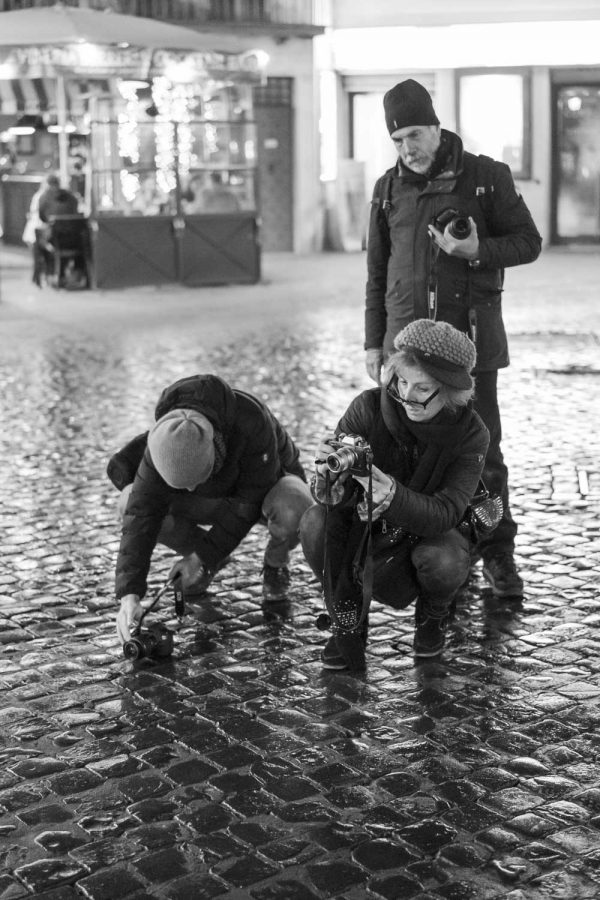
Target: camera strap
(341, 622)
(175, 583)
(432, 283)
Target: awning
(38, 95)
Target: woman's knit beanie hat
(182, 448)
(445, 353)
(408, 104)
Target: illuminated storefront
(166, 152)
(525, 91)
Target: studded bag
(483, 514)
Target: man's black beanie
(408, 104)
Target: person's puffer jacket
(258, 452)
(454, 443)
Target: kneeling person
(428, 449)
(215, 456)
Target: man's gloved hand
(195, 576)
(128, 617)
(374, 362)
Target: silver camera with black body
(350, 453)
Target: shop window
(194, 154)
(494, 115)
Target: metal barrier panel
(220, 249)
(133, 250)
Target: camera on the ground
(154, 642)
(460, 226)
(350, 453)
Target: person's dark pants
(495, 473)
(433, 568)
(282, 509)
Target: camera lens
(133, 649)
(342, 460)
(460, 228)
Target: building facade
(519, 81)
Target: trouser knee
(442, 564)
(312, 538)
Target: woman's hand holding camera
(128, 617)
(382, 485)
(321, 454)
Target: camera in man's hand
(460, 226)
(154, 642)
(350, 453)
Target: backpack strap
(484, 185)
(385, 193)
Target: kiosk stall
(166, 143)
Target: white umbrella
(62, 25)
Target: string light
(128, 142)
(164, 135)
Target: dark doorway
(273, 114)
(576, 155)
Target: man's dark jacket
(258, 451)
(399, 250)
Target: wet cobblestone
(238, 768)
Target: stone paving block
(112, 885)
(239, 768)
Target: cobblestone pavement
(239, 768)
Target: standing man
(444, 225)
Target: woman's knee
(441, 564)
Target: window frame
(524, 173)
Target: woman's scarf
(439, 437)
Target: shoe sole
(517, 594)
(332, 667)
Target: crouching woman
(387, 525)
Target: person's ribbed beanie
(443, 351)
(182, 448)
(408, 104)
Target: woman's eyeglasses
(394, 393)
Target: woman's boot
(431, 622)
(346, 650)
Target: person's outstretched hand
(128, 617)
(373, 363)
(189, 568)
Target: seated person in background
(216, 456)
(209, 195)
(57, 201)
(49, 201)
(428, 448)
(150, 199)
